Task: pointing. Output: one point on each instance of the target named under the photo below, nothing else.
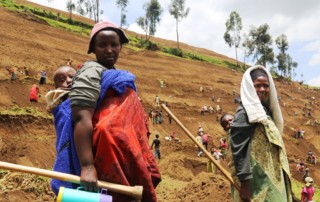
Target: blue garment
(157, 153)
(66, 155)
(118, 80)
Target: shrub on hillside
(193, 56)
(145, 44)
(173, 51)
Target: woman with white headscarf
(260, 163)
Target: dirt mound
(185, 176)
(26, 140)
(24, 187)
(27, 134)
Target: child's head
(226, 120)
(309, 181)
(106, 41)
(157, 136)
(63, 76)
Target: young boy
(307, 192)
(62, 82)
(58, 104)
(156, 143)
(226, 120)
(110, 126)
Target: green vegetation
(232, 35)
(136, 43)
(68, 27)
(195, 56)
(7, 3)
(173, 51)
(16, 110)
(178, 10)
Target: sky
(205, 26)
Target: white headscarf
(252, 103)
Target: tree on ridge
(178, 11)
(285, 63)
(70, 7)
(122, 4)
(259, 44)
(152, 17)
(232, 34)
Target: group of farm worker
(102, 131)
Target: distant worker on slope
(12, 72)
(307, 192)
(157, 100)
(43, 77)
(34, 93)
(156, 143)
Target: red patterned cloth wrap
(120, 145)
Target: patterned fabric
(270, 168)
(120, 145)
(120, 140)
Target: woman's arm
(240, 139)
(83, 130)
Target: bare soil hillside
(29, 139)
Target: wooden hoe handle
(135, 191)
(216, 163)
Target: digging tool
(216, 163)
(135, 191)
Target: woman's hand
(245, 192)
(83, 130)
(88, 178)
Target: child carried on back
(108, 123)
(59, 105)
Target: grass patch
(9, 4)
(170, 55)
(16, 110)
(53, 19)
(67, 27)
(134, 48)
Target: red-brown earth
(27, 134)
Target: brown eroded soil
(29, 140)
